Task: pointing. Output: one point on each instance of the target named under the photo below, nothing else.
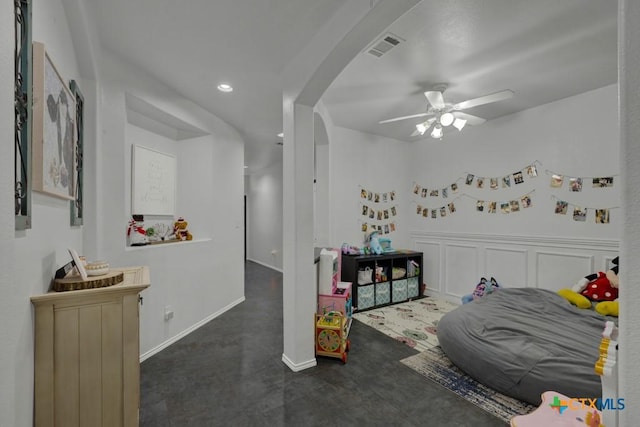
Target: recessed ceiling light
(246, 167)
(281, 135)
(225, 87)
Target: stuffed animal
(483, 288)
(600, 288)
(374, 243)
(180, 230)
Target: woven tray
(75, 283)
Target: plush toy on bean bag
(600, 288)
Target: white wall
(197, 280)
(264, 216)
(360, 160)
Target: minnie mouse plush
(601, 288)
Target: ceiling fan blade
(472, 120)
(415, 133)
(487, 99)
(395, 119)
(435, 98)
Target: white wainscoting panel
(431, 260)
(507, 265)
(455, 262)
(556, 270)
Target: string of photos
(375, 207)
(480, 182)
(576, 183)
(580, 213)
(489, 206)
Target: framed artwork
(77, 214)
(153, 184)
(79, 264)
(54, 129)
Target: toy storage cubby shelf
(384, 289)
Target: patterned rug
(413, 322)
(434, 365)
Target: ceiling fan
(443, 114)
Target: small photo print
(425, 212)
(377, 198)
(556, 181)
(518, 178)
(580, 214)
(469, 179)
(561, 207)
(480, 182)
(454, 187)
(575, 184)
(434, 213)
(602, 216)
(364, 227)
(480, 205)
(394, 212)
(515, 205)
(384, 197)
(379, 215)
(386, 214)
(363, 193)
(365, 210)
(445, 193)
(492, 207)
(392, 195)
(505, 207)
(424, 192)
(416, 189)
(493, 183)
(386, 229)
(452, 207)
(419, 210)
(443, 211)
(372, 213)
(525, 201)
(506, 181)
(532, 171)
(369, 196)
(392, 226)
(434, 193)
(603, 182)
(379, 227)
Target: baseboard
(265, 265)
(187, 331)
(297, 367)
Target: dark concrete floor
(229, 373)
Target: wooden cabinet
(389, 278)
(87, 355)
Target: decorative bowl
(97, 268)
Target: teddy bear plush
(600, 288)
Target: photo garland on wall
(480, 182)
(577, 183)
(489, 206)
(376, 209)
(580, 213)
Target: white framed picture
(79, 265)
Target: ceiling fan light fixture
(447, 119)
(436, 132)
(421, 128)
(459, 123)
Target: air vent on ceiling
(384, 44)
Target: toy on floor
(600, 288)
(485, 287)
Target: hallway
(229, 373)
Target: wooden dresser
(87, 354)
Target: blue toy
(374, 243)
(483, 288)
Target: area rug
(434, 365)
(413, 323)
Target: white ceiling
(543, 50)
